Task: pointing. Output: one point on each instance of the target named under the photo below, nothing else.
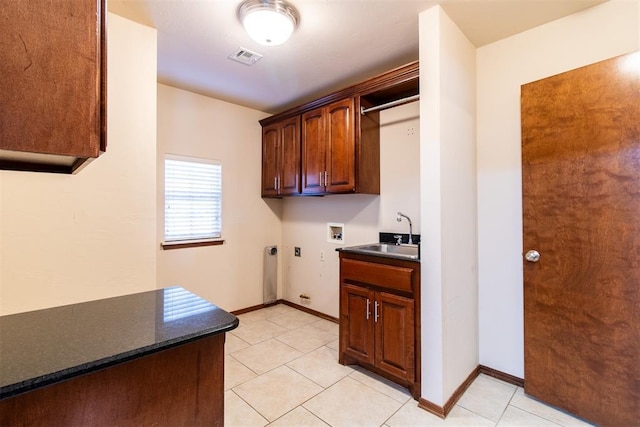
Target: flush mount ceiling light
(269, 22)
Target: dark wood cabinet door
(270, 157)
(394, 330)
(53, 85)
(313, 152)
(289, 177)
(356, 315)
(340, 146)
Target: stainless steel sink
(388, 250)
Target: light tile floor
(281, 369)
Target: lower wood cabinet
(179, 386)
(379, 317)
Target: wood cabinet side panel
(367, 133)
(51, 63)
(183, 385)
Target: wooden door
(394, 330)
(289, 175)
(313, 152)
(270, 158)
(356, 328)
(581, 212)
(340, 140)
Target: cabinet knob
(368, 308)
(376, 315)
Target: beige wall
(305, 219)
(604, 31)
(448, 205)
(72, 238)
(229, 275)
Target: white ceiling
(337, 42)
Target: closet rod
(406, 100)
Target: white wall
(229, 275)
(607, 30)
(305, 218)
(448, 206)
(73, 238)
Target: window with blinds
(192, 199)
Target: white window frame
(200, 234)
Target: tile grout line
(395, 412)
(251, 406)
(367, 385)
(533, 413)
(506, 406)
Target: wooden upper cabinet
(340, 146)
(53, 85)
(330, 139)
(281, 158)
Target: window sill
(190, 244)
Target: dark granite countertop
(39, 348)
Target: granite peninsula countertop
(42, 347)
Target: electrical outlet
(321, 255)
(297, 251)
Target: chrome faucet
(399, 218)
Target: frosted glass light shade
(269, 22)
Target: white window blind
(192, 199)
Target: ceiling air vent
(245, 56)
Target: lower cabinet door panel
(357, 331)
(395, 335)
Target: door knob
(532, 256)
